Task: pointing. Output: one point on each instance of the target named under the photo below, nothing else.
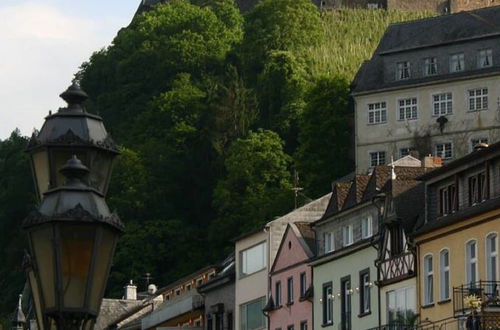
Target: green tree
(17, 199)
(325, 136)
(281, 88)
(256, 188)
(287, 25)
(144, 59)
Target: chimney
(432, 161)
(130, 291)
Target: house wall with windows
(434, 91)
(453, 239)
(251, 253)
(348, 265)
(291, 278)
(423, 132)
(458, 243)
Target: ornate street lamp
(71, 131)
(72, 238)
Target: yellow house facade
(457, 246)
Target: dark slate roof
(339, 194)
(409, 202)
(356, 191)
(308, 235)
(424, 33)
(381, 175)
(440, 30)
(467, 213)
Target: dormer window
(477, 188)
(430, 66)
(396, 240)
(347, 235)
(403, 71)
(328, 242)
(448, 199)
(366, 227)
(457, 62)
(485, 58)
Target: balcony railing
(397, 268)
(483, 322)
(487, 291)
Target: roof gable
(356, 191)
(294, 247)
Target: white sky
(42, 44)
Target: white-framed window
(471, 261)
(428, 280)
(327, 297)
(403, 71)
(442, 104)
(364, 299)
(478, 99)
(444, 150)
(485, 58)
(430, 66)
(328, 242)
(251, 316)
(492, 257)
(377, 113)
(401, 304)
(303, 325)
(377, 158)
(347, 235)
(366, 227)
(407, 108)
(372, 5)
(457, 62)
(444, 275)
(253, 259)
(477, 140)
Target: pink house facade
(290, 305)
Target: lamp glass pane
(100, 170)
(60, 158)
(42, 240)
(41, 170)
(104, 254)
(77, 242)
(35, 292)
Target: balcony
(397, 268)
(487, 292)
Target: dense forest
(215, 113)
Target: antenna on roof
(296, 187)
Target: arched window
(444, 275)
(471, 262)
(428, 280)
(492, 257)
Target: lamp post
(71, 131)
(72, 236)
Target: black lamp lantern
(72, 238)
(71, 131)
